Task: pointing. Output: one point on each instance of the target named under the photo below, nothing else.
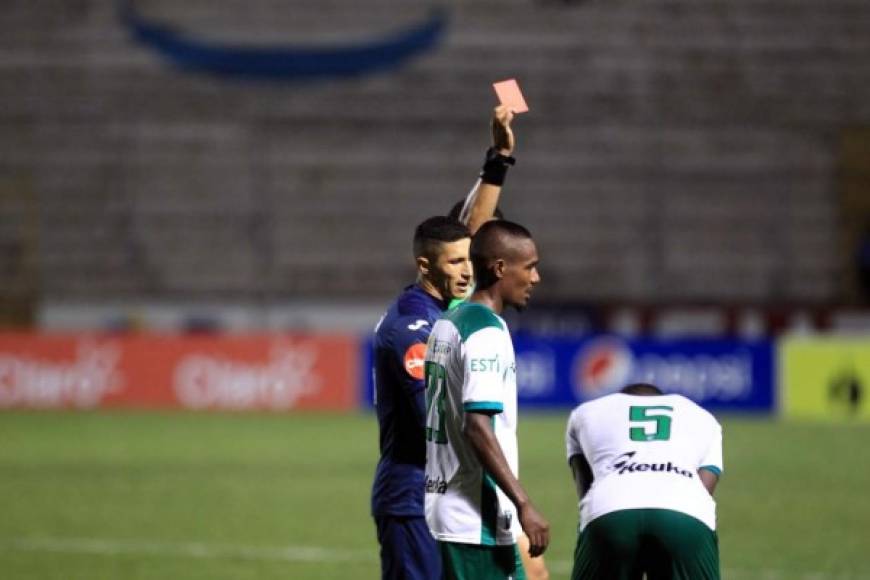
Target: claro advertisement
(232, 373)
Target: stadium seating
(676, 151)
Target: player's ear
(498, 268)
(423, 265)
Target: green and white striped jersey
(470, 367)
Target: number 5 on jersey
(649, 423)
(436, 390)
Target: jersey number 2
(650, 423)
(436, 390)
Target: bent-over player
(645, 466)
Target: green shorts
(474, 562)
(664, 544)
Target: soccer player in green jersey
(475, 504)
(479, 207)
(645, 467)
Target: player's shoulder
(575, 416)
(471, 317)
(410, 313)
(413, 302)
(608, 400)
(590, 409)
(689, 405)
(608, 404)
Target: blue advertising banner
(725, 375)
(720, 375)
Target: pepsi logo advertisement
(725, 375)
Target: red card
(510, 96)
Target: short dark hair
(456, 211)
(436, 230)
(641, 389)
(488, 244)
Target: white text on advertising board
(607, 365)
(536, 373)
(203, 382)
(81, 382)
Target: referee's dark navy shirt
(400, 402)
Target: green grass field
(127, 496)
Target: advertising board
(235, 373)
(722, 375)
(825, 378)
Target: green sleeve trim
(478, 406)
(712, 469)
(469, 317)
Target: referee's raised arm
(480, 205)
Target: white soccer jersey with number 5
(470, 367)
(645, 452)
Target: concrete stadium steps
(673, 147)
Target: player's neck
(430, 289)
(488, 298)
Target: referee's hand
(536, 528)
(502, 135)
